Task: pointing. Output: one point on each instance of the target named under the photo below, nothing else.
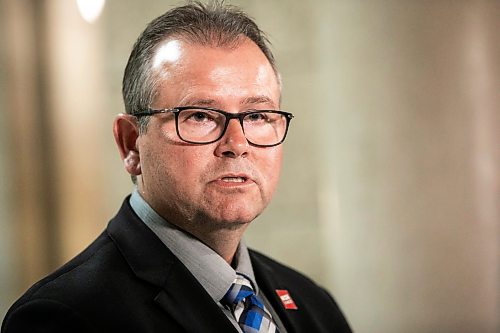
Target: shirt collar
(208, 267)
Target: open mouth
(234, 179)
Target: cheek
(271, 166)
(188, 164)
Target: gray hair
(214, 24)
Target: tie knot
(247, 308)
(240, 290)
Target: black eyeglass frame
(240, 116)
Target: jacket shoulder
(77, 274)
(62, 292)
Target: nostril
(232, 154)
(229, 154)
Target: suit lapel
(181, 295)
(185, 299)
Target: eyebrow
(202, 102)
(261, 99)
(252, 100)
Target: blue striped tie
(247, 308)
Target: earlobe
(133, 163)
(126, 133)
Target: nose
(234, 143)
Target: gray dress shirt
(210, 269)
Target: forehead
(186, 68)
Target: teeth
(233, 179)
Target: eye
(196, 116)
(257, 117)
(199, 116)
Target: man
(202, 140)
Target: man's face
(226, 183)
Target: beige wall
(7, 264)
(389, 193)
(409, 198)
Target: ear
(126, 133)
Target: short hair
(214, 24)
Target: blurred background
(390, 190)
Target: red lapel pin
(286, 299)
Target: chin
(233, 221)
(241, 219)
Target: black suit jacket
(128, 281)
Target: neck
(222, 237)
(223, 241)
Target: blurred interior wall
(389, 192)
(8, 290)
(410, 182)
(24, 162)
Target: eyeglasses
(203, 125)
